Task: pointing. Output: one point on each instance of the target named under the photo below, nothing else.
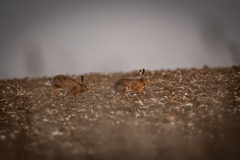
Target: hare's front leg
(74, 93)
(140, 91)
(74, 90)
(137, 89)
(53, 88)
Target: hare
(127, 84)
(69, 84)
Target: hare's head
(143, 77)
(85, 86)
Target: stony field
(182, 114)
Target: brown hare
(69, 84)
(128, 84)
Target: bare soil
(182, 114)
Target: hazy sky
(39, 38)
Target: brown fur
(69, 84)
(128, 84)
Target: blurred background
(45, 38)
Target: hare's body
(69, 84)
(128, 84)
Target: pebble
(2, 137)
(190, 124)
(189, 105)
(45, 120)
(140, 102)
(111, 112)
(57, 133)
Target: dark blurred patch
(33, 59)
(215, 38)
(235, 51)
(212, 33)
(212, 30)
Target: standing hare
(127, 84)
(69, 84)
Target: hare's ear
(82, 79)
(143, 72)
(140, 72)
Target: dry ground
(183, 114)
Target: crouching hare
(128, 84)
(69, 84)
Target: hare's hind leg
(125, 90)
